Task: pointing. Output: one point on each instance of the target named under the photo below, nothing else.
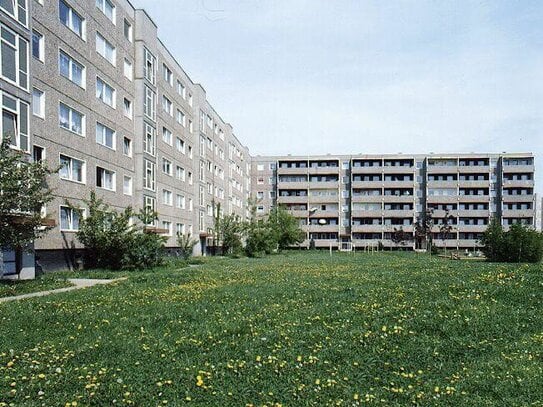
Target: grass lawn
(9, 288)
(298, 329)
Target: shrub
(286, 228)
(520, 244)
(186, 245)
(260, 239)
(145, 250)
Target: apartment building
(89, 87)
(365, 200)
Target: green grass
(9, 288)
(298, 329)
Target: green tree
(286, 228)
(493, 240)
(423, 229)
(229, 230)
(260, 237)
(186, 245)
(23, 193)
(399, 236)
(446, 228)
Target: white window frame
(71, 111)
(70, 169)
(113, 179)
(41, 45)
(149, 131)
(149, 62)
(20, 15)
(149, 167)
(130, 112)
(71, 62)
(103, 86)
(167, 136)
(130, 183)
(103, 45)
(103, 139)
(129, 154)
(41, 104)
(149, 103)
(167, 197)
(180, 145)
(128, 69)
(20, 72)
(101, 5)
(71, 220)
(69, 23)
(167, 166)
(167, 105)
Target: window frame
(71, 172)
(69, 23)
(16, 46)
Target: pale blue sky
(319, 76)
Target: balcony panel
(471, 228)
(518, 168)
(366, 170)
(323, 228)
(367, 198)
(367, 184)
(389, 213)
(474, 198)
(367, 213)
(399, 170)
(367, 228)
(324, 199)
(518, 213)
(291, 199)
(474, 213)
(406, 228)
(324, 185)
(399, 199)
(474, 184)
(292, 185)
(324, 170)
(468, 243)
(442, 184)
(399, 184)
(473, 169)
(292, 171)
(518, 198)
(326, 243)
(518, 184)
(442, 169)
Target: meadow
(298, 329)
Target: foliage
(24, 193)
(186, 245)
(520, 244)
(261, 238)
(446, 228)
(113, 240)
(286, 228)
(309, 329)
(399, 236)
(423, 229)
(229, 230)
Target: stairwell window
(71, 19)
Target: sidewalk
(78, 283)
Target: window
(180, 117)
(69, 219)
(168, 227)
(168, 75)
(167, 105)
(38, 153)
(127, 107)
(166, 136)
(71, 120)
(38, 103)
(127, 30)
(190, 178)
(37, 45)
(191, 126)
(127, 146)
(167, 197)
(190, 204)
(14, 57)
(105, 179)
(180, 173)
(105, 136)
(71, 19)
(18, 9)
(127, 69)
(150, 66)
(105, 48)
(166, 166)
(71, 69)
(127, 185)
(149, 104)
(72, 169)
(181, 90)
(105, 92)
(149, 140)
(180, 145)
(107, 8)
(180, 229)
(260, 167)
(149, 174)
(180, 201)
(190, 99)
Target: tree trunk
(1, 263)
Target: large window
(107, 8)
(18, 9)
(14, 121)
(14, 57)
(71, 69)
(149, 104)
(149, 141)
(105, 48)
(72, 169)
(72, 120)
(105, 136)
(105, 92)
(105, 179)
(150, 66)
(71, 19)
(69, 219)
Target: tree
(423, 229)
(229, 230)
(446, 228)
(23, 193)
(118, 240)
(399, 236)
(286, 228)
(186, 245)
(519, 244)
(260, 237)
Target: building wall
(364, 199)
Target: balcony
(518, 183)
(518, 213)
(442, 184)
(367, 228)
(292, 185)
(326, 243)
(399, 184)
(324, 184)
(448, 243)
(464, 169)
(399, 170)
(323, 228)
(406, 228)
(399, 199)
(291, 199)
(468, 243)
(325, 214)
(291, 171)
(367, 198)
(474, 198)
(518, 168)
(474, 213)
(298, 213)
(442, 169)
(471, 228)
(518, 198)
(367, 184)
(474, 184)
(398, 213)
(376, 213)
(323, 170)
(316, 199)
(366, 170)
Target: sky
(364, 76)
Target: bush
(145, 250)
(186, 245)
(260, 239)
(520, 244)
